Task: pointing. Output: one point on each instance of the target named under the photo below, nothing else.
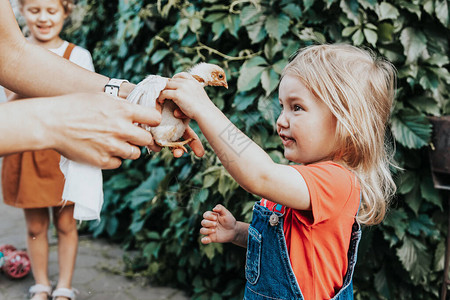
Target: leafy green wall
(155, 205)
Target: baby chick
(171, 129)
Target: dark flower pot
(440, 152)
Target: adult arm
(37, 71)
(95, 128)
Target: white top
(79, 56)
(2, 95)
(83, 183)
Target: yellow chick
(171, 129)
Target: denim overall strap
(268, 269)
(346, 292)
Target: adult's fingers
(112, 163)
(153, 147)
(136, 135)
(135, 152)
(184, 75)
(144, 115)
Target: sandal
(65, 292)
(40, 288)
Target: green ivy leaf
(415, 258)
(426, 105)
(266, 106)
(413, 199)
(249, 77)
(242, 101)
(381, 283)
(414, 43)
(411, 129)
(293, 10)
(211, 249)
(411, 7)
(348, 31)
(442, 12)
(386, 31)
(387, 11)
(438, 59)
(421, 225)
(249, 15)
(159, 56)
(218, 28)
(358, 37)
(256, 32)
(279, 66)
(112, 225)
(442, 73)
(277, 26)
(351, 9)
(309, 3)
(429, 193)
(397, 219)
(151, 250)
(371, 36)
(269, 80)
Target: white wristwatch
(113, 85)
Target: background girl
(302, 243)
(33, 180)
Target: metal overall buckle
(274, 218)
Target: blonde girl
(302, 243)
(33, 180)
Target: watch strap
(113, 86)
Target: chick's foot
(176, 145)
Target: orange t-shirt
(318, 240)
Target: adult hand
(99, 129)
(93, 128)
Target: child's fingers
(178, 153)
(220, 209)
(208, 223)
(209, 215)
(206, 240)
(195, 144)
(207, 231)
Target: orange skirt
(32, 179)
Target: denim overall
(268, 269)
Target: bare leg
(37, 220)
(67, 245)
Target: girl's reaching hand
(187, 93)
(218, 226)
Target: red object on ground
(17, 264)
(6, 249)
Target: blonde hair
(359, 90)
(66, 4)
